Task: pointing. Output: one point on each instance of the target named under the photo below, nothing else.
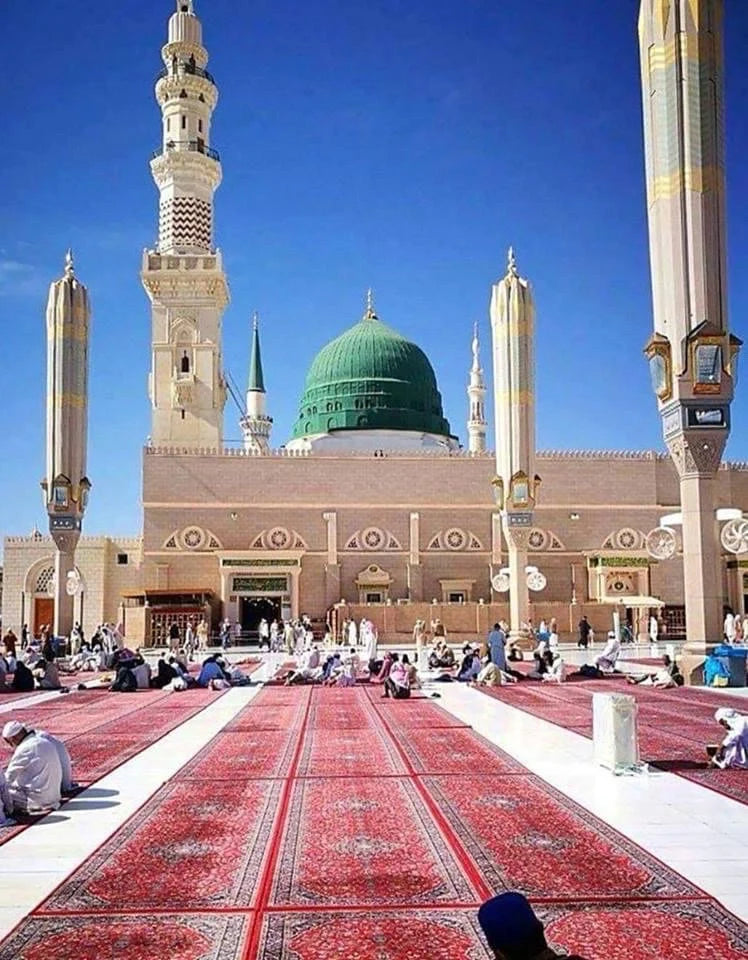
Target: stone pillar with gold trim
(66, 486)
(515, 485)
(332, 566)
(691, 353)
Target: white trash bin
(614, 732)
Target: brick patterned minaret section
(183, 276)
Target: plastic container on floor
(734, 659)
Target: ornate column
(66, 485)
(332, 567)
(515, 484)
(415, 570)
(692, 355)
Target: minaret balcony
(188, 68)
(190, 146)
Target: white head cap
(725, 714)
(12, 728)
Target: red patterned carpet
(103, 730)
(674, 725)
(344, 843)
(330, 825)
(180, 937)
(208, 858)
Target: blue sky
(402, 144)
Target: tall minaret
(184, 276)
(476, 392)
(255, 424)
(691, 353)
(515, 483)
(66, 485)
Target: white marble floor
(692, 829)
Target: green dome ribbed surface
(371, 378)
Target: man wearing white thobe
(34, 773)
(67, 784)
(606, 662)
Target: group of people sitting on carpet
(38, 773)
(173, 673)
(397, 675)
(35, 668)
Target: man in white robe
(352, 638)
(606, 662)
(370, 641)
(67, 784)
(733, 752)
(728, 627)
(34, 773)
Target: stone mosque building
(373, 506)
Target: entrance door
(44, 613)
(253, 609)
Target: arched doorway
(253, 609)
(44, 601)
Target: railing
(195, 146)
(188, 67)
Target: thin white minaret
(476, 392)
(256, 424)
(183, 276)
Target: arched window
(184, 363)
(44, 579)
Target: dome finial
(255, 320)
(511, 268)
(69, 272)
(370, 313)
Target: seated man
(23, 678)
(5, 686)
(48, 675)
(606, 662)
(556, 668)
(67, 784)
(514, 651)
(733, 751)
(397, 684)
(441, 656)
(470, 666)
(309, 669)
(667, 676)
(493, 676)
(513, 931)
(540, 668)
(211, 670)
(34, 773)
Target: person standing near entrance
(264, 634)
(237, 633)
(189, 641)
(202, 635)
(584, 633)
(174, 637)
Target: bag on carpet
(178, 683)
(218, 684)
(588, 670)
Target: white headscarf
(727, 715)
(12, 728)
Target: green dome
(371, 378)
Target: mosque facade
(372, 506)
